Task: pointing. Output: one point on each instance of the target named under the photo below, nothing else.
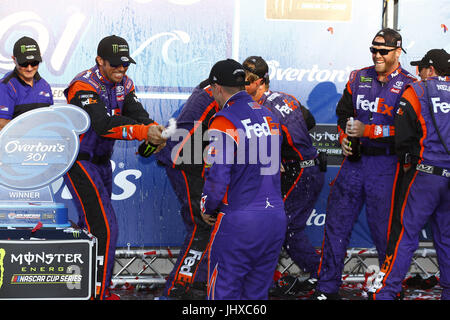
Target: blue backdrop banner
(311, 48)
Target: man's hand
(357, 130)
(346, 149)
(154, 135)
(209, 219)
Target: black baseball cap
(258, 66)
(114, 49)
(438, 58)
(228, 73)
(391, 38)
(26, 49)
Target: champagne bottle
(355, 144)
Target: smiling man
(371, 97)
(108, 95)
(23, 89)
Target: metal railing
(152, 265)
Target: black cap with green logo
(114, 49)
(26, 49)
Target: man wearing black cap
(242, 192)
(432, 64)
(422, 142)
(23, 89)
(108, 96)
(302, 179)
(371, 97)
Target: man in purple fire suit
(422, 142)
(371, 96)
(108, 96)
(242, 192)
(183, 161)
(303, 176)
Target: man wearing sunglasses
(23, 89)
(371, 97)
(422, 143)
(108, 96)
(303, 175)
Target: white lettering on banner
(120, 180)
(437, 104)
(15, 146)
(316, 219)
(317, 136)
(46, 258)
(276, 72)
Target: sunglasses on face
(383, 52)
(123, 64)
(29, 63)
(252, 78)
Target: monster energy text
(46, 258)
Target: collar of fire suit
(234, 97)
(264, 97)
(391, 75)
(102, 79)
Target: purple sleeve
(218, 166)
(7, 102)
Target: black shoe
(307, 285)
(429, 283)
(285, 287)
(398, 296)
(188, 292)
(413, 282)
(318, 295)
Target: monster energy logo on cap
(114, 49)
(22, 49)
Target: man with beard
(371, 97)
(108, 95)
(422, 143)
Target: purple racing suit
(115, 113)
(183, 162)
(368, 181)
(17, 97)
(422, 193)
(301, 181)
(243, 186)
